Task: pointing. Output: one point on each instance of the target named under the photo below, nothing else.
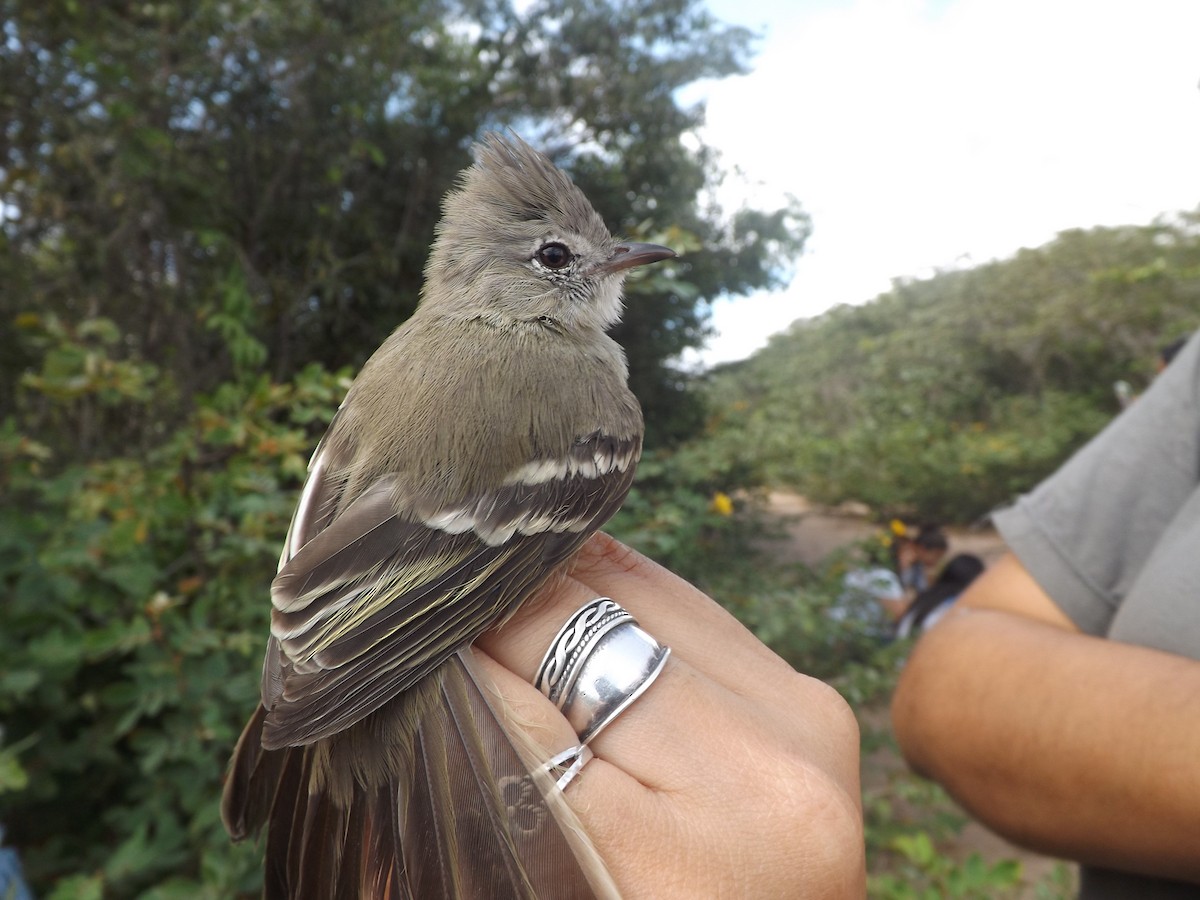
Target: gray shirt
(1113, 537)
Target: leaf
(917, 848)
(118, 638)
(78, 887)
(13, 776)
(17, 683)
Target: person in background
(917, 558)
(872, 596)
(1058, 701)
(878, 595)
(935, 601)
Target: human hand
(732, 776)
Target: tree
(239, 184)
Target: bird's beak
(629, 254)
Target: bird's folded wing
(387, 591)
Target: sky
(922, 135)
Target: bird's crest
(511, 175)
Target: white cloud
(920, 134)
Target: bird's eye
(554, 256)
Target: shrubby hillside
(944, 397)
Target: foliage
(205, 210)
(911, 827)
(135, 593)
(136, 613)
(250, 185)
(681, 514)
(927, 875)
(945, 397)
(134, 622)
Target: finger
(704, 781)
(696, 628)
(641, 740)
(660, 747)
(705, 635)
(710, 650)
(528, 707)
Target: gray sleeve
(1085, 533)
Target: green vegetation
(252, 185)
(212, 212)
(946, 397)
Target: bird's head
(519, 242)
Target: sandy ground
(811, 534)
(815, 532)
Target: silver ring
(569, 763)
(599, 662)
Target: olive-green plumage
(475, 452)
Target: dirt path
(811, 533)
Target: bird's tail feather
(428, 797)
(551, 841)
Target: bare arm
(1073, 745)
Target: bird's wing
(378, 597)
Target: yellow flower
(898, 528)
(721, 504)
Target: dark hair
(931, 537)
(1168, 352)
(960, 571)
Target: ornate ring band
(599, 662)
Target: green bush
(945, 397)
(136, 586)
(956, 472)
(134, 622)
(136, 611)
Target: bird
(475, 452)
